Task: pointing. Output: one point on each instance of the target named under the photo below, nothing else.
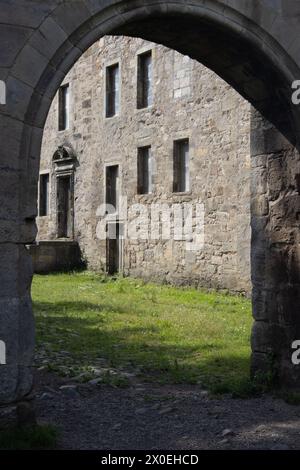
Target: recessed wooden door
(64, 207)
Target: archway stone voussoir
(30, 66)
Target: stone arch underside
(252, 47)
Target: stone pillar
(17, 228)
(16, 325)
(275, 253)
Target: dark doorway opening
(64, 207)
(114, 248)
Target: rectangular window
(112, 185)
(181, 173)
(64, 107)
(144, 87)
(144, 166)
(112, 90)
(44, 195)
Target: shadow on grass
(79, 306)
(159, 358)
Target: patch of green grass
(172, 335)
(26, 438)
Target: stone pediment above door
(64, 158)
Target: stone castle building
(135, 125)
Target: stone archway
(253, 46)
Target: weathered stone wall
(55, 255)
(189, 102)
(275, 203)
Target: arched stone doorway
(253, 46)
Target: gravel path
(145, 416)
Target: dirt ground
(146, 416)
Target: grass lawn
(174, 335)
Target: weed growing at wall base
(28, 438)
